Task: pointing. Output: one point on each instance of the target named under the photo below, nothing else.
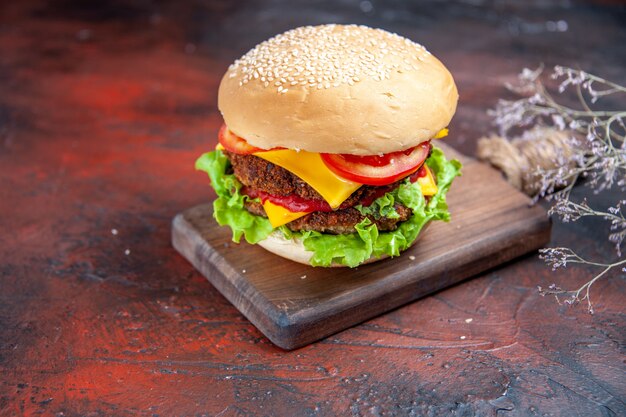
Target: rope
(539, 149)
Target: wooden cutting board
(294, 304)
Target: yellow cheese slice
(309, 167)
(427, 183)
(279, 215)
(441, 134)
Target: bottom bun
(294, 250)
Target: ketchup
(293, 202)
(420, 173)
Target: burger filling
(264, 180)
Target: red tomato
(234, 143)
(377, 169)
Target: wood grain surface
(104, 107)
(294, 305)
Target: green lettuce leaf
(352, 249)
(381, 207)
(228, 208)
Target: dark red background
(103, 108)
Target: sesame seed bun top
(337, 89)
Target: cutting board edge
(252, 305)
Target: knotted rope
(520, 159)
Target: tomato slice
(234, 143)
(377, 169)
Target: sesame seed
(328, 56)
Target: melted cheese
(427, 183)
(441, 134)
(279, 215)
(309, 167)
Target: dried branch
(595, 150)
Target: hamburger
(325, 155)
